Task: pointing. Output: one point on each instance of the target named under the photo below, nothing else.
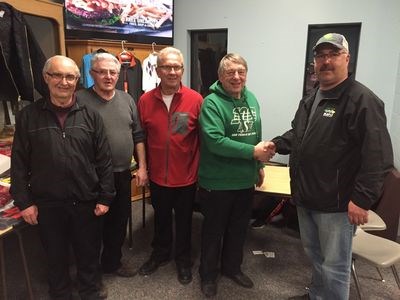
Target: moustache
(326, 68)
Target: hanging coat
(21, 58)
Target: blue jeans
(327, 240)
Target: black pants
(226, 218)
(62, 227)
(115, 222)
(164, 201)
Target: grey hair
(168, 50)
(49, 62)
(105, 56)
(232, 57)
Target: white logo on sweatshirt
(245, 118)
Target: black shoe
(209, 288)
(103, 292)
(241, 279)
(125, 271)
(302, 297)
(151, 266)
(184, 274)
(258, 224)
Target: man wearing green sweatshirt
(230, 155)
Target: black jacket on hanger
(131, 77)
(21, 58)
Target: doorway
(207, 49)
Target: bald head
(57, 59)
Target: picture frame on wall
(351, 31)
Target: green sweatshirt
(229, 130)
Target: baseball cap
(335, 39)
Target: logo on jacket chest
(329, 112)
(245, 118)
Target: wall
(395, 124)
(272, 36)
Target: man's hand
(30, 215)
(357, 215)
(270, 147)
(264, 151)
(100, 209)
(261, 176)
(141, 177)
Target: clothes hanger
(153, 48)
(125, 57)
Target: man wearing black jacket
(62, 178)
(340, 152)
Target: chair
(375, 222)
(388, 207)
(378, 251)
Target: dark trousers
(165, 200)
(226, 218)
(115, 222)
(62, 227)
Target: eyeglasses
(104, 73)
(59, 77)
(330, 55)
(170, 68)
(231, 72)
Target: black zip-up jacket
(21, 58)
(51, 166)
(345, 153)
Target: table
(3, 233)
(276, 181)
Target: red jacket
(172, 136)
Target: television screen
(137, 21)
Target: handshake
(264, 151)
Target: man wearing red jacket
(169, 116)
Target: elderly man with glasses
(126, 137)
(231, 151)
(169, 115)
(62, 179)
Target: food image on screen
(148, 17)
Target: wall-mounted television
(136, 21)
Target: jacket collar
(334, 93)
(158, 95)
(46, 104)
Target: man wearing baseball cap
(340, 152)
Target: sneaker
(258, 224)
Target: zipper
(337, 186)
(168, 141)
(30, 63)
